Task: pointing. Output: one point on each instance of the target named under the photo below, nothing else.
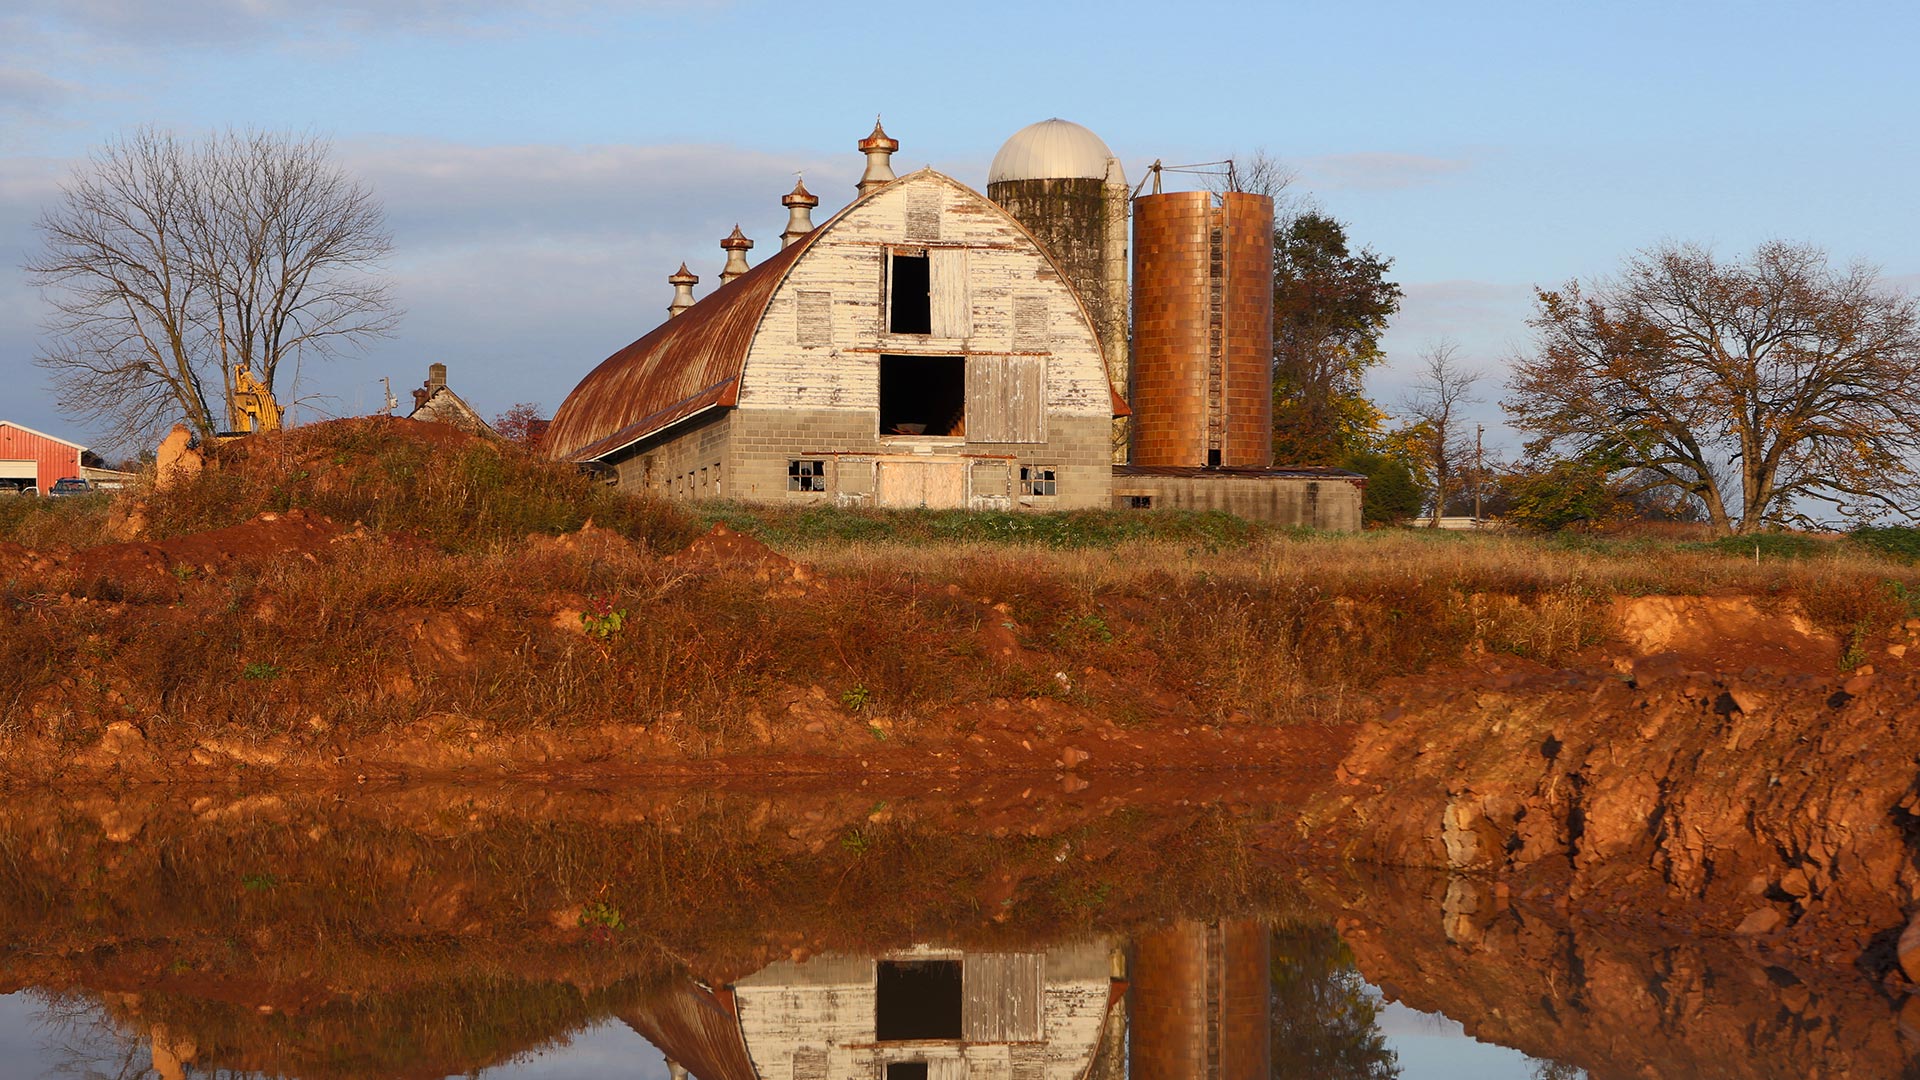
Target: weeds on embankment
(456, 601)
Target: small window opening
(1038, 480)
(1213, 459)
(804, 475)
(906, 1070)
(1139, 502)
(917, 999)
(923, 395)
(910, 287)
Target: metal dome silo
(1202, 391)
(1060, 181)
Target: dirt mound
(270, 536)
(722, 549)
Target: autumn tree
(1330, 308)
(1755, 386)
(522, 424)
(1442, 388)
(170, 266)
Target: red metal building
(29, 457)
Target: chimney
(683, 282)
(878, 149)
(436, 377)
(736, 246)
(799, 203)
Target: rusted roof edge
(723, 394)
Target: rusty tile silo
(1202, 391)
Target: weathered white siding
(982, 267)
(812, 1020)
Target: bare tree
(1750, 385)
(1440, 390)
(170, 267)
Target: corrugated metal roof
(697, 1028)
(685, 365)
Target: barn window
(923, 395)
(917, 999)
(806, 475)
(906, 1070)
(910, 293)
(1139, 502)
(1038, 480)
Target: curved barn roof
(686, 365)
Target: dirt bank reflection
(985, 931)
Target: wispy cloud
(1378, 171)
(225, 22)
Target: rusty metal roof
(697, 1028)
(685, 365)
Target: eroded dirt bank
(1714, 775)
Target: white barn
(919, 348)
(923, 1014)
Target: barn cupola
(799, 203)
(736, 246)
(879, 150)
(683, 282)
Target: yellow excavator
(251, 408)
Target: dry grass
(1213, 620)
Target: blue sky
(545, 164)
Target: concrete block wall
(672, 463)
(763, 441)
(1328, 504)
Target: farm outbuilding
(34, 459)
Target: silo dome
(1053, 149)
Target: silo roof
(1053, 149)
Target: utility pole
(1479, 432)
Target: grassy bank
(446, 581)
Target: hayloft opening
(923, 395)
(917, 999)
(910, 293)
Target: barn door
(937, 485)
(1007, 399)
(947, 289)
(1001, 995)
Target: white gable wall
(811, 383)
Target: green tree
(1551, 494)
(1330, 307)
(1393, 493)
(1326, 1024)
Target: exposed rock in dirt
(176, 462)
(1694, 784)
(1611, 995)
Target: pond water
(1017, 930)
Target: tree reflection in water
(1326, 1021)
